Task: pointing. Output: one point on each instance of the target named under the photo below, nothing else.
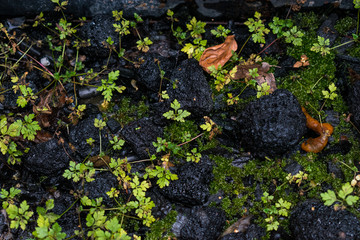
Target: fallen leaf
(303, 62)
(100, 161)
(219, 54)
(42, 136)
(242, 72)
(325, 130)
(269, 78)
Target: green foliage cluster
(26, 128)
(344, 197)
(344, 25)
(128, 111)
(19, 215)
(257, 27)
(183, 141)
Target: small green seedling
(258, 28)
(177, 114)
(322, 46)
(263, 90)
(344, 197)
(331, 93)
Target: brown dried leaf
(219, 54)
(303, 62)
(297, 64)
(42, 136)
(100, 161)
(269, 78)
(242, 70)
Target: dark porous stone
(272, 125)
(253, 232)
(113, 125)
(162, 205)
(10, 97)
(90, 8)
(192, 186)
(192, 90)
(83, 130)
(103, 183)
(199, 223)
(335, 169)
(354, 97)
(149, 72)
(69, 220)
(140, 134)
(293, 168)
(312, 220)
(98, 30)
(3, 224)
(47, 158)
(345, 4)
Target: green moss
(129, 111)
(307, 20)
(354, 51)
(308, 83)
(161, 229)
(175, 131)
(345, 24)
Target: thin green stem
(100, 142)
(316, 83)
(69, 208)
(358, 18)
(244, 45)
(340, 45)
(62, 56)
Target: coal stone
(312, 220)
(47, 158)
(192, 187)
(189, 86)
(272, 125)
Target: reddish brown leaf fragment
(303, 62)
(219, 54)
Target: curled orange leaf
(219, 54)
(325, 130)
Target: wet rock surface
(189, 86)
(97, 189)
(199, 223)
(272, 125)
(354, 100)
(154, 8)
(48, 158)
(141, 134)
(252, 232)
(312, 220)
(149, 71)
(347, 4)
(85, 129)
(192, 186)
(97, 31)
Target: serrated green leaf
(346, 189)
(328, 197)
(351, 200)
